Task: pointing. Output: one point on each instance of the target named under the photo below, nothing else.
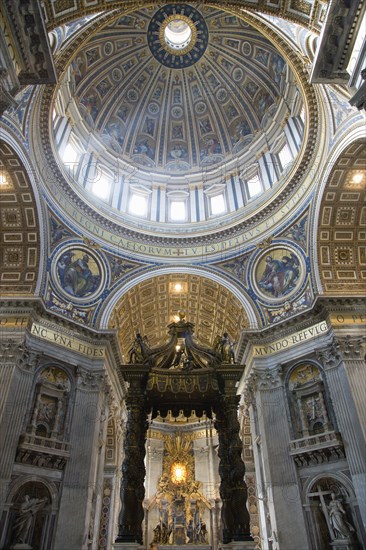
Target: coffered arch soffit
(341, 231)
(152, 304)
(20, 227)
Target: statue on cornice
(224, 346)
(138, 352)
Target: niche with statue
(181, 515)
(44, 443)
(30, 518)
(51, 399)
(308, 402)
(333, 516)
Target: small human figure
(23, 523)
(138, 350)
(227, 349)
(178, 356)
(201, 532)
(337, 517)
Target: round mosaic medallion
(177, 35)
(79, 273)
(177, 112)
(200, 107)
(278, 273)
(132, 95)
(153, 108)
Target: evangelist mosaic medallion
(278, 273)
(79, 273)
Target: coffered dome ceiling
(177, 107)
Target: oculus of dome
(177, 36)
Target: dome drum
(158, 127)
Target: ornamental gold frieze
(226, 241)
(177, 383)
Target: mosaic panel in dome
(174, 119)
(152, 305)
(19, 238)
(342, 225)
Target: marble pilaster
(280, 490)
(79, 480)
(347, 404)
(16, 378)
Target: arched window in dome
(178, 206)
(217, 204)
(102, 185)
(178, 211)
(252, 181)
(254, 186)
(70, 154)
(285, 156)
(138, 205)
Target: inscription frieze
(67, 341)
(294, 339)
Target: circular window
(178, 34)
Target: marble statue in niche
(332, 514)
(50, 406)
(29, 523)
(24, 521)
(341, 528)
